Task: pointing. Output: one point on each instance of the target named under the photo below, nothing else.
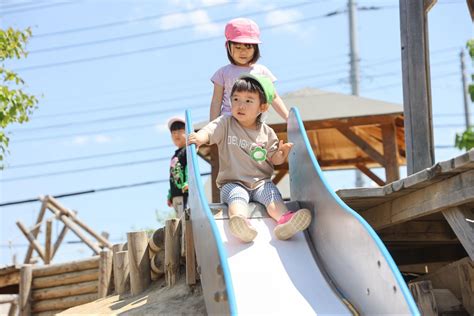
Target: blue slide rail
(349, 250)
(210, 252)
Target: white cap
(175, 119)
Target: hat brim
(174, 120)
(245, 40)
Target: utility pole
(354, 55)
(467, 113)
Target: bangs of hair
(177, 126)
(250, 85)
(256, 53)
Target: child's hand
(185, 188)
(197, 138)
(285, 148)
(170, 203)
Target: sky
(108, 74)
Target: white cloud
(161, 127)
(284, 16)
(101, 139)
(80, 140)
(85, 140)
(199, 19)
(213, 2)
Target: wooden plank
(216, 197)
(464, 230)
(451, 192)
(65, 278)
(390, 152)
(416, 86)
(422, 292)
(370, 174)
(63, 302)
(172, 251)
(33, 242)
(71, 266)
(13, 277)
(419, 231)
(190, 254)
(65, 290)
(35, 232)
(139, 263)
(364, 145)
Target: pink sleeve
(218, 77)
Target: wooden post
(58, 241)
(390, 152)
(35, 232)
(190, 255)
(172, 251)
(47, 245)
(105, 272)
(26, 276)
(214, 172)
(139, 263)
(416, 86)
(423, 294)
(122, 276)
(13, 308)
(115, 248)
(33, 242)
(157, 262)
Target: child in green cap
(248, 150)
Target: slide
(337, 266)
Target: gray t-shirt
(244, 154)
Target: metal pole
(467, 112)
(354, 57)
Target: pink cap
(242, 30)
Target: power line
(150, 33)
(49, 162)
(160, 47)
(48, 174)
(118, 187)
(128, 21)
(46, 6)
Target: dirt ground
(157, 300)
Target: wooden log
(65, 278)
(172, 251)
(115, 248)
(105, 272)
(33, 242)
(422, 292)
(157, 240)
(70, 224)
(63, 303)
(47, 243)
(457, 218)
(157, 262)
(66, 290)
(121, 272)
(59, 240)
(104, 242)
(139, 264)
(26, 276)
(35, 231)
(50, 313)
(190, 254)
(72, 266)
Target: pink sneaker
(241, 228)
(292, 222)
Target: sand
(181, 299)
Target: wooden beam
(35, 231)
(59, 240)
(390, 152)
(280, 174)
(425, 253)
(105, 273)
(33, 242)
(419, 231)
(429, 4)
(457, 218)
(366, 147)
(216, 198)
(422, 292)
(47, 246)
(470, 6)
(24, 298)
(370, 174)
(433, 198)
(416, 86)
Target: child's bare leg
(276, 210)
(238, 209)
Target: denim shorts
(236, 193)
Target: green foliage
(465, 140)
(15, 105)
(470, 47)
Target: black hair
(177, 126)
(256, 52)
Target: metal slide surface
(269, 276)
(348, 249)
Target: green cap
(265, 83)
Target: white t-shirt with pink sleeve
(227, 75)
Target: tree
(466, 139)
(15, 105)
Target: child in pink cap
(242, 39)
